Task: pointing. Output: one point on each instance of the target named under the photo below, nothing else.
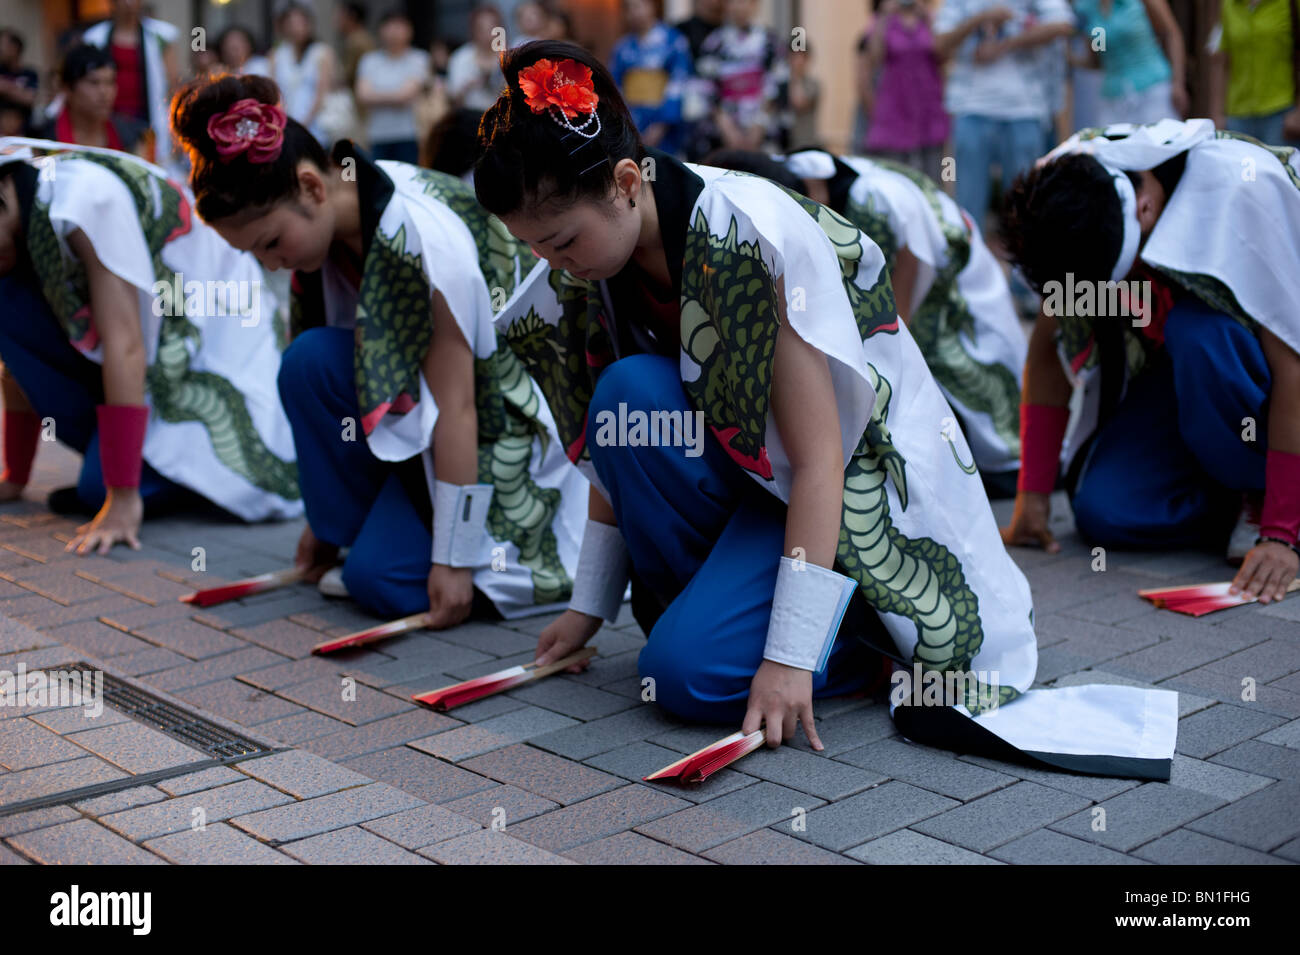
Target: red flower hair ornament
(249, 126)
(565, 90)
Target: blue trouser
(62, 383)
(352, 498)
(1169, 468)
(981, 141)
(703, 535)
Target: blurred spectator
(204, 61)
(389, 81)
(1140, 82)
(866, 82)
(652, 65)
(559, 26)
(452, 145)
(531, 23)
(908, 123)
(996, 90)
(146, 67)
(302, 67)
(474, 71)
(18, 85)
(742, 65)
(707, 17)
(88, 76)
(235, 49)
(797, 99)
(356, 40)
(1255, 49)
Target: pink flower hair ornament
(249, 126)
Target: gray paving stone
(927, 767)
(630, 848)
(417, 773)
(301, 774)
(214, 669)
(56, 778)
(9, 857)
(189, 638)
(326, 695)
(610, 732)
(422, 826)
(290, 673)
(391, 731)
(637, 760)
(137, 748)
(1263, 820)
(36, 819)
(298, 820)
(1211, 731)
(549, 776)
(810, 773)
(25, 744)
(1214, 779)
(1263, 759)
(302, 727)
(74, 719)
(196, 782)
(81, 842)
(769, 847)
(351, 846)
(503, 805)
(181, 812)
(500, 731)
(866, 816)
(124, 799)
(489, 847)
(1287, 735)
(1045, 847)
(239, 702)
(216, 845)
(595, 818)
(720, 820)
(448, 657)
(1138, 816)
(999, 817)
(1185, 847)
(906, 847)
(387, 672)
(573, 699)
(1264, 662)
(489, 638)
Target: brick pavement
(551, 773)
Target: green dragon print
(393, 334)
(498, 250)
(177, 392)
(729, 321)
(943, 314)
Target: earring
(632, 203)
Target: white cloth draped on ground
(918, 534)
(1229, 233)
(963, 318)
(211, 329)
(428, 233)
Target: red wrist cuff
(22, 431)
(1042, 430)
(1280, 516)
(121, 443)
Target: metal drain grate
(201, 734)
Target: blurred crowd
(990, 83)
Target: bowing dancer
(1169, 260)
(725, 360)
(136, 335)
(424, 447)
(949, 289)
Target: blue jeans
(1267, 129)
(702, 535)
(1169, 468)
(981, 141)
(63, 384)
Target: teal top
(1132, 59)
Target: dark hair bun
(522, 149)
(237, 187)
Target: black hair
(528, 158)
(758, 163)
(394, 13)
(24, 176)
(356, 11)
(15, 36)
(452, 145)
(1064, 216)
(238, 187)
(230, 31)
(81, 60)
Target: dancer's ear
(1150, 201)
(311, 184)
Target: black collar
(676, 189)
(374, 189)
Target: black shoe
(66, 500)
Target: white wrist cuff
(601, 578)
(459, 518)
(807, 607)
